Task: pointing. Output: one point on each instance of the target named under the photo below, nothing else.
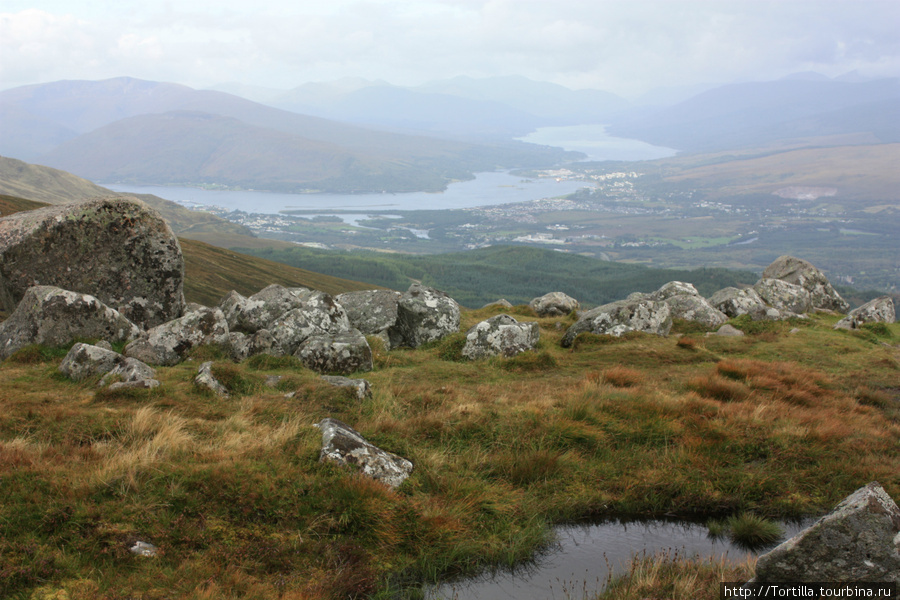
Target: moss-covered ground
(783, 422)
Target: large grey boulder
(734, 302)
(686, 303)
(318, 314)
(130, 372)
(501, 335)
(242, 346)
(249, 315)
(879, 310)
(343, 445)
(345, 352)
(56, 317)
(86, 360)
(784, 296)
(554, 304)
(372, 312)
(116, 249)
(858, 541)
(424, 315)
(617, 318)
(169, 343)
(802, 273)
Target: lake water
(596, 143)
(486, 189)
(584, 557)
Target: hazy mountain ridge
(382, 160)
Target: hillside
(759, 113)
(238, 130)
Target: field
(783, 422)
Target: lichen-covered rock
(344, 353)
(361, 387)
(318, 314)
(86, 360)
(344, 445)
(119, 250)
(727, 330)
(879, 310)
(424, 315)
(249, 315)
(169, 343)
(784, 296)
(206, 380)
(372, 312)
(501, 303)
(674, 288)
(735, 302)
(554, 304)
(617, 318)
(130, 372)
(501, 335)
(56, 317)
(858, 541)
(800, 272)
(242, 346)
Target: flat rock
(362, 387)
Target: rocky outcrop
(344, 445)
(617, 318)
(500, 336)
(858, 541)
(116, 249)
(249, 315)
(799, 272)
(56, 317)
(784, 296)
(345, 352)
(734, 302)
(242, 346)
(372, 312)
(686, 303)
(424, 315)
(318, 314)
(554, 304)
(879, 310)
(168, 344)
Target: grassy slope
(231, 490)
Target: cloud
(623, 46)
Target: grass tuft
(622, 377)
(752, 531)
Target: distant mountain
(47, 123)
(748, 114)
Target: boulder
(784, 296)
(617, 318)
(130, 372)
(502, 303)
(858, 541)
(554, 304)
(734, 302)
(372, 312)
(344, 352)
(361, 387)
(799, 272)
(86, 360)
(727, 330)
(318, 314)
(500, 336)
(674, 288)
(206, 380)
(116, 249)
(685, 302)
(424, 315)
(169, 343)
(242, 346)
(879, 310)
(343, 445)
(56, 317)
(249, 315)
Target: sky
(624, 46)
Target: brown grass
(622, 377)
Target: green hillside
(517, 273)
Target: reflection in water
(583, 558)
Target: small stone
(144, 549)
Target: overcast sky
(626, 47)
